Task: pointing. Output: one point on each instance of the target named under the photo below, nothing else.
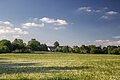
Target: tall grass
(59, 66)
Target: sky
(70, 22)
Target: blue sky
(71, 22)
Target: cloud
(104, 11)
(88, 9)
(105, 8)
(7, 28)
(104, 17)
(85, 9)
(58, 28)
(16, 36)
(111, 13)
(107, 42)
(101, 41)
(28, 25)
(6, 23)
(116, 37)
(58, 22)
(46, 22)
(35, 19)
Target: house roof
(52, 47)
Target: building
(51, 48)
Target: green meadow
(59, 66)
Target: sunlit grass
(60, 66)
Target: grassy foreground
(60, 66)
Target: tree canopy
(18, 46)
(56, 44)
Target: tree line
(90, 49)
(18, 46)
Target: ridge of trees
(18, 46)
(90, 49)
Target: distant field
(60, 66)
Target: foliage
(18, 46)
(58, 49)
(4, 49)
(56, 44)
(65, 49)
(43, 47)
(34, 45)
(5, 46)
(76, 49)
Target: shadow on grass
(9, 65)
(3, 58)
(14, 68)
(59, 78)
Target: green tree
(6, 45)
(95, 50)
(115, 51)
(110, 49)
(56, 44)
(71, 50)
(4, 49)
(19, 46)
(34, 45)
(58, 49)
(43, 47)
(118, 50)
(65, 49)
(105, 50)
(84, 49)
(76, 49)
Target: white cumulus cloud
(85, 9)
(28, 25)
(106, 13)
(116, 37)
(104, 17)
(107, 42)
(111, 13)
(58, 22)
(7, 28)
(46, 22)
(89, 9)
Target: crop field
(60, 66)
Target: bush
(21, 51)
(65, 49)
(95, 51)
(4, 49)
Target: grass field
(60, 66)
